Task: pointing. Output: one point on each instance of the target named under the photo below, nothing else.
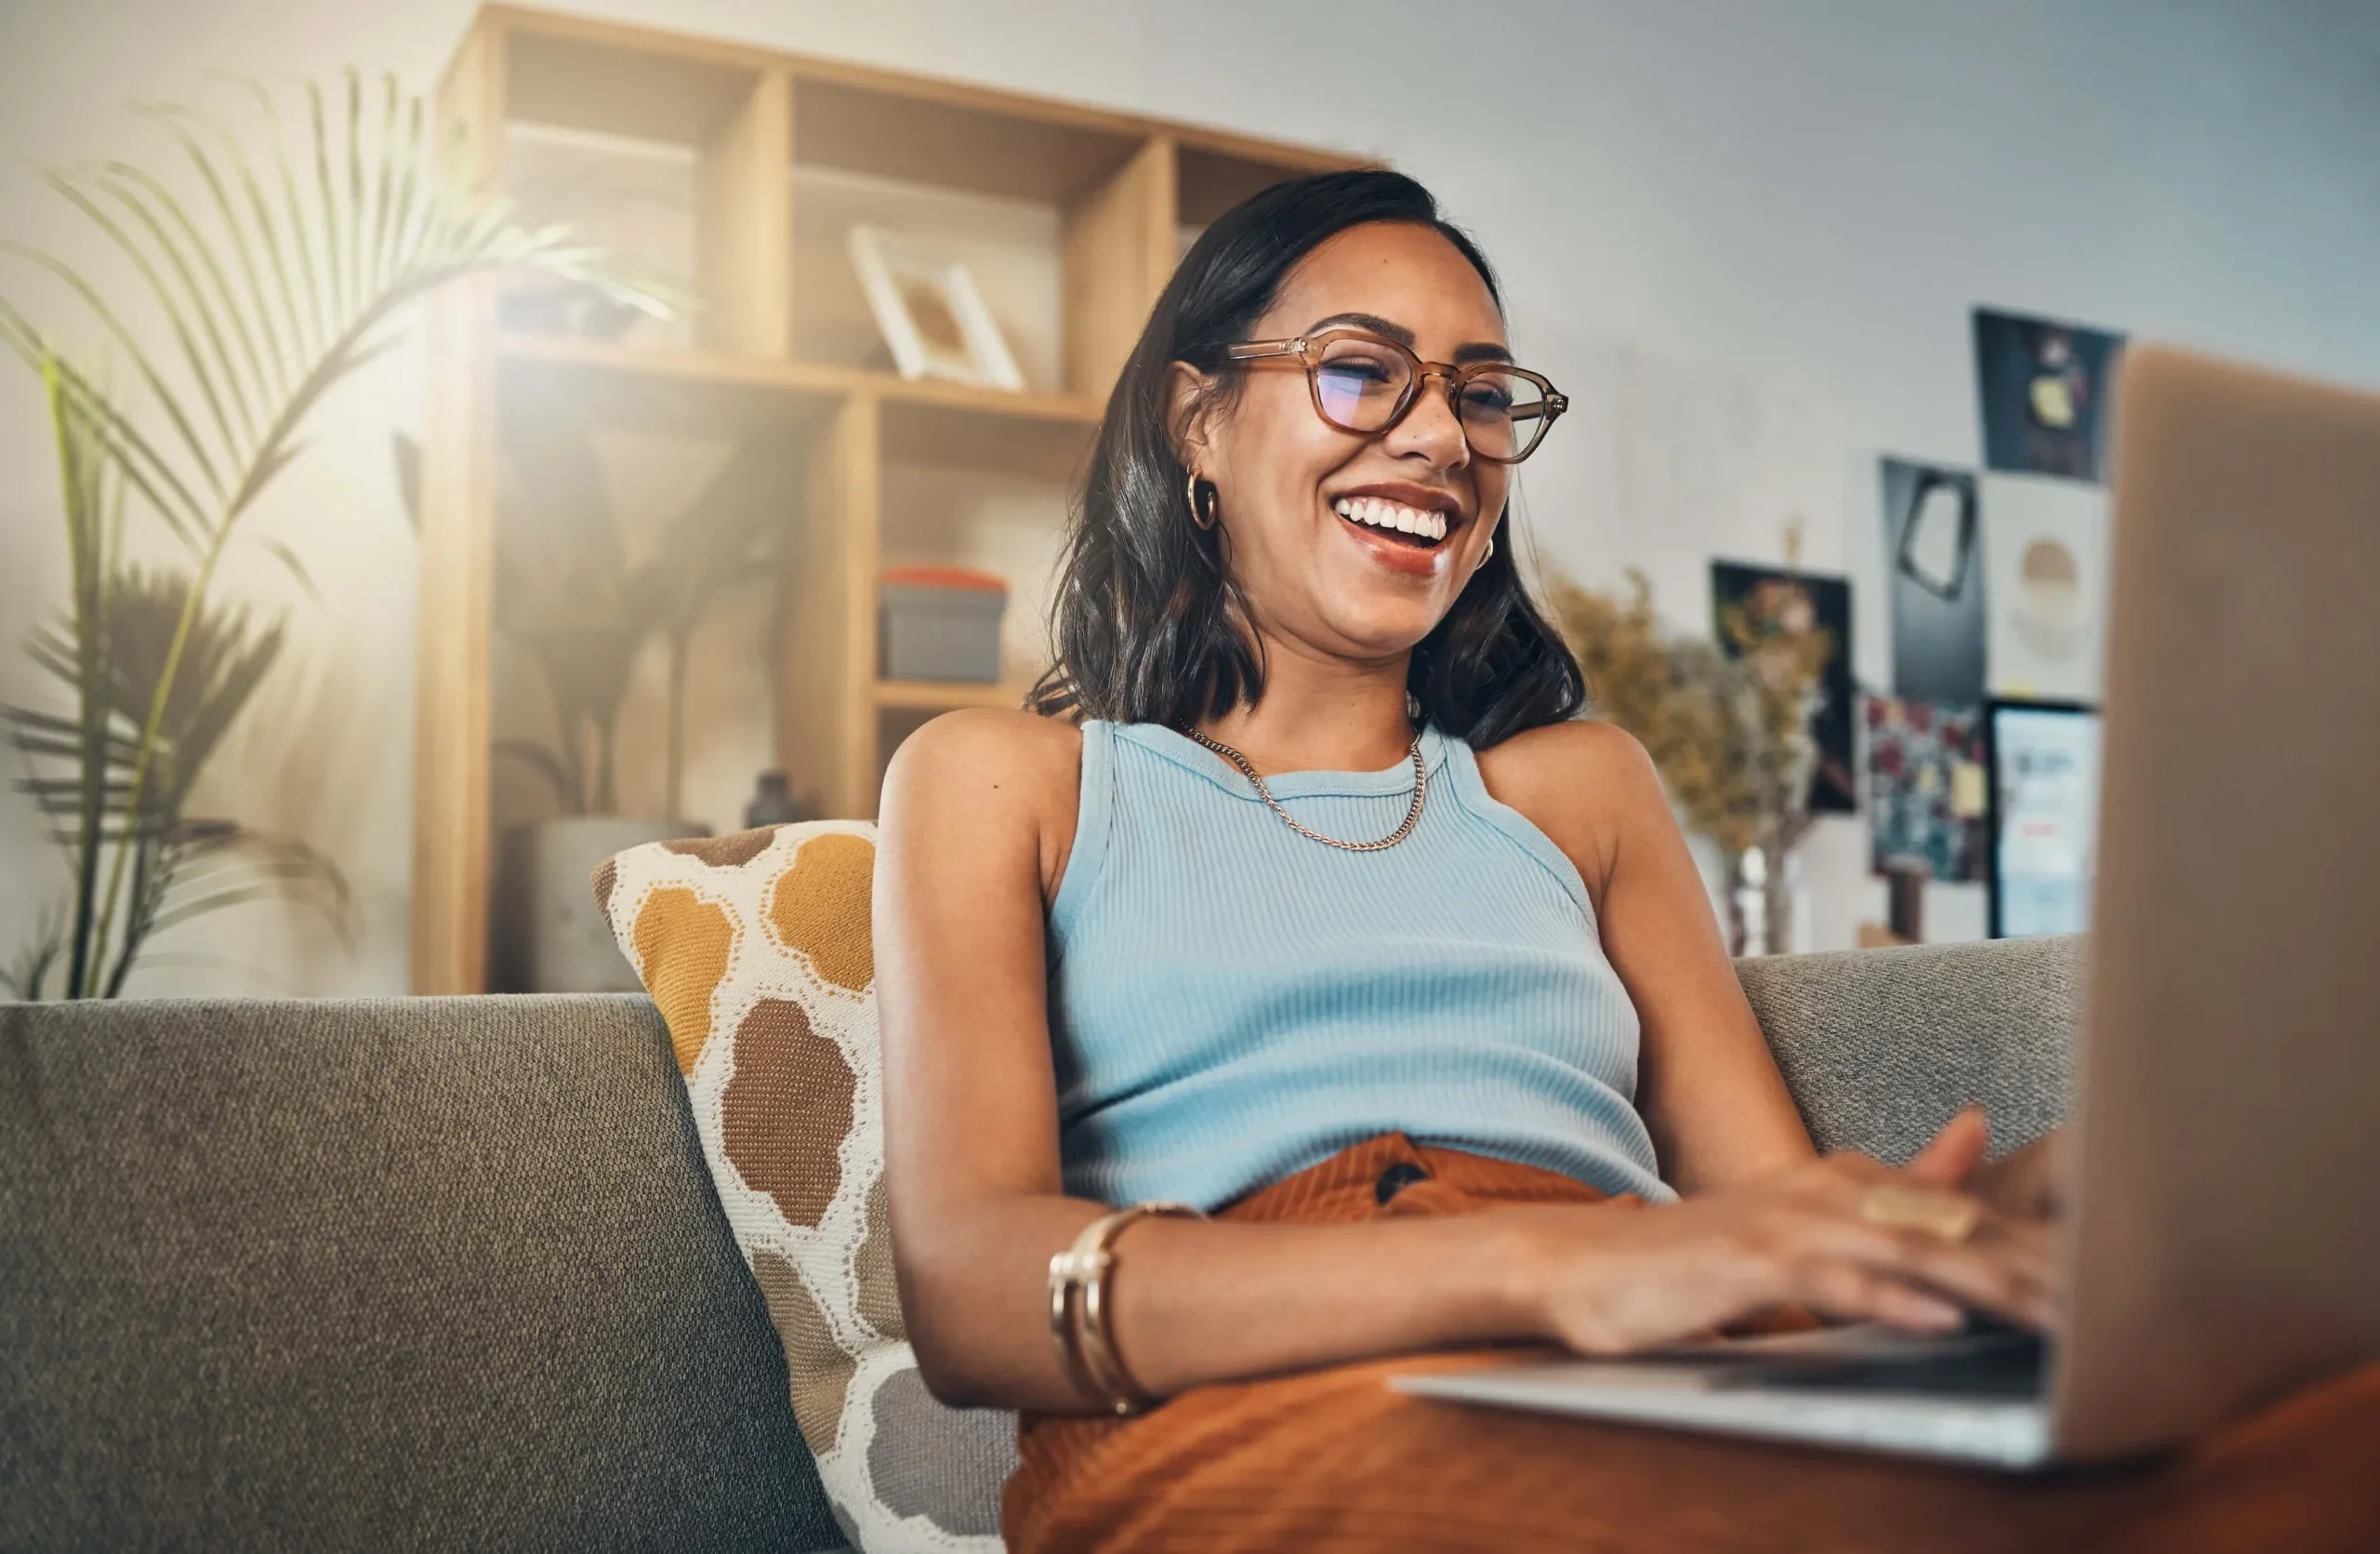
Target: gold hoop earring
(1485, 555)
(1204, 516)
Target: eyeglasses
(1364, 383)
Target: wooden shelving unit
(770, 153)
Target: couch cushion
(758, 949)
(415, 1274)
(1881, 1047)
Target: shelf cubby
(733, 174)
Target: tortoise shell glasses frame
(1373, 384)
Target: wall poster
(2044, 387)
(1927, 798)
(1834, 787)
(2045, 575)
(1935, 579)
(2044, 815)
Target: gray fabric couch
(449, 1273)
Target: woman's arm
(976, 818)
(1707, 1087)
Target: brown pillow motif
(756, 948)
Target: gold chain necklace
(1412, 816)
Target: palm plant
(276, 282)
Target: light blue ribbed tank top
(1231, 1003)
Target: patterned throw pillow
(757, 947)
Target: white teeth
(1382, 513)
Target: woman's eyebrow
(1372, 322)
(1482, 350)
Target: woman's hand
(2022, 1184)
(1798, 1237)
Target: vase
(547, 934)
(774, 804)
(1768, 903)
(1747, 903)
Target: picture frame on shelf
(931, 315)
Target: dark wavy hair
(1150, 624)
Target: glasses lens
(1360, 383)
(1504, 414)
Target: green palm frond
(223, 660)
(286, 263)
(271, 301)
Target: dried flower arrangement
(1730, 735)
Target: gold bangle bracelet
(1086, 1346)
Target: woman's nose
(1431, 428)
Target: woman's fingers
(1824, 1236)
(2025, 1182)
(1851, 1293)
(2004, 1264)
(2004, 1275)
(1955, 1151)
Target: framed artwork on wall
(2046, 581)
(1927, 798)
(1834, 787)
(2043, 386)
(2045, 810)
(1935, 580)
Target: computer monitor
(2043, 757)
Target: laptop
(2221, 1245)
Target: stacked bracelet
(1086, 1344)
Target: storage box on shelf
(941, 623)
(735, 175)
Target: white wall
(1763, 222)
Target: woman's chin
(1379, 627)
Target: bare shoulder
(989, 779)
(988, 748)
(1561, 764)
(1581, 783)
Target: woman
(1317, 911)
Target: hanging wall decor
(1750, 601)
(2044, 792)
(1934, 568)
(2045, 570)
(2043, 386)
(1927, 790)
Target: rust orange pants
(1332, 1460)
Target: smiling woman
(1150, 623)
(1306, 986)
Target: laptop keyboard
(2005, 1364)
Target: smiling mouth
(1418, 528)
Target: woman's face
(1295, 489)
